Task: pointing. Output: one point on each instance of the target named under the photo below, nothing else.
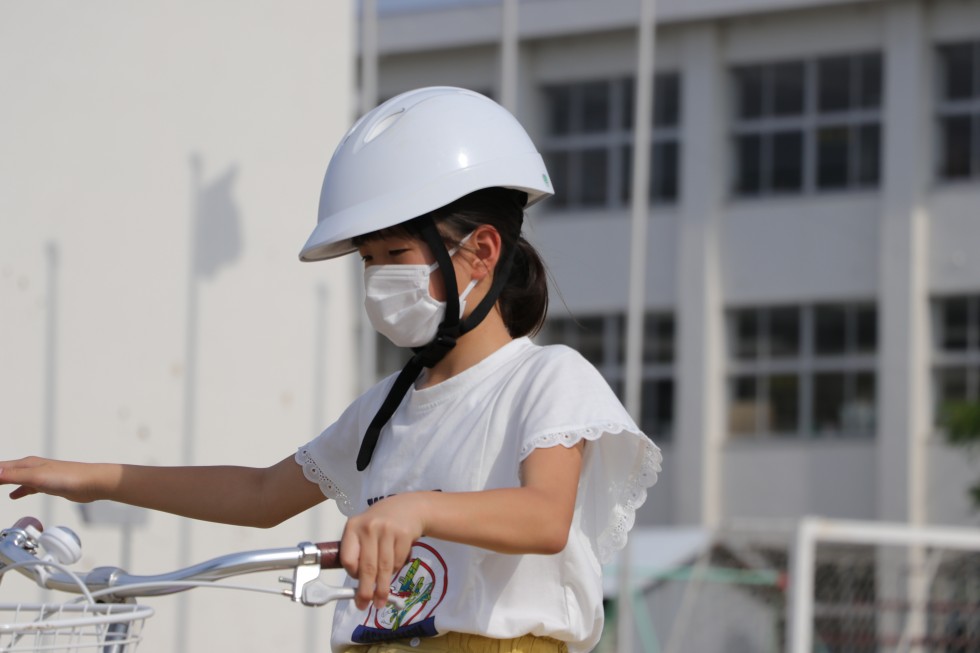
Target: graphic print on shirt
(421, 583)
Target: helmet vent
(382, 125)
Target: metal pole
(508, 55)
(369, 54)
(640, 204)
(801, 580)
(368, 98)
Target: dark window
(787, 143)
(956, 352)
(803, 370)
(959, 110)
(589, 148)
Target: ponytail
(523, 301)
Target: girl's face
(401, 250)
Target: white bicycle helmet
(415, 153)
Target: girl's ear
(485, 245)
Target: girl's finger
(350, 553)
(367, 573)
(386, 563)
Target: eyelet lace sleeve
(609, 494)
(314, 474)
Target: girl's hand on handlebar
(81, 482)
(377, 543)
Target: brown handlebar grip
(329, 555)
(24, 522)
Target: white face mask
(398, 303)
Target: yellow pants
(462, 643)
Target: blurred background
(809, 277)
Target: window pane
(588, 339)
(952, 385)
(783, 402)
(749, 168)
(957, 71)
(628, 99)
(957, 138)
(787, 89)
(559, 100)
(828, 402)
(787, 161)
(834, 83)
(830, 330)
(955, 316)
(743, 410)
(866, 328)
(748, 84)
(553, 331)
(557, 162)
(658, 407)
(592, 182)
(869, 151)
(869, 81)
(860, 409)
(626, 174)
(833, 149)
(784, 332)
(666, 100)
(975, 345)
(663, 184)
(659, 340)
(595, 107)
(746, 334)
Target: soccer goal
(859, 586)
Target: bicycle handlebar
(20, 545)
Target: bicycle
(106, 618)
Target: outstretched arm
(244, 496)
(533, 518)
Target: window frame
(805, 365)
(946, 109)
(947, 359)
(810, 122)
(616, 140)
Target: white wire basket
(70, 627)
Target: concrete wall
(160, 170)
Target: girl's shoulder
(559, 361)
(559, 373)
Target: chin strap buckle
(436, 350)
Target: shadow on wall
(217, 233)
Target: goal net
(813, 586)
(859, 587)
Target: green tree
(962, 422)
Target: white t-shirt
(471, 433)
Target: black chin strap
(448, 332)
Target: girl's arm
(533, 518)
(243, 496)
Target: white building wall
(898, 245)
(130, 133)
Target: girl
(487, 482)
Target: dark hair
(523, 302)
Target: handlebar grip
(329, 555)
(24, 522)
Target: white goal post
(916, 553)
